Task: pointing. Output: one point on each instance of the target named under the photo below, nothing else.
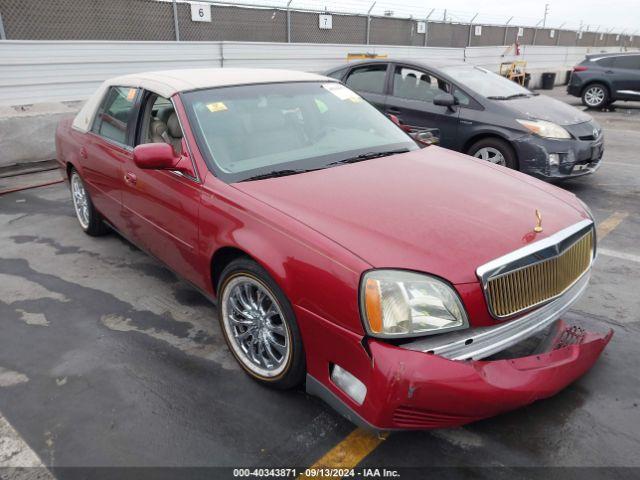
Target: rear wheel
(259, 325)
(494, 150)
(88, 217)
(595, 95)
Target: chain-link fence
(179, 20)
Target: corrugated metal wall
(42, 71)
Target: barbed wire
(402, 10)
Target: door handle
(393, 110)
(608, 71)
(130, 178)
(83, 153)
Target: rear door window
(417, 85)
(630, 62)
(114, 115)
(369, 78)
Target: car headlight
(545, 129)
(399, 303)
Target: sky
(594, 14)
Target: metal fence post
(176, 26)
(470, 27)
(3, 36)
(535, 32)
(369, 21)
(559, 30)
(426, 26)
(289, 21)
(506, 29)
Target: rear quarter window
(113, 116)
(338, 74)
(604, 62)
(631, 62)
(369, 78)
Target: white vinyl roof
(167, 83)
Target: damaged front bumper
(552, 159)
(452, 379)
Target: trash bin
(527, 79)
(548, 79)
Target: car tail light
(580, 68)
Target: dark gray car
(604, 78)
(482, 114)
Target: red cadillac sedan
(408, 287)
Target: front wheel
(494, 150)
(259, 325)
(595, 95)
(88, 217)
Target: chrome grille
(526, 287)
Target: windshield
(283, 128)
(486, 83)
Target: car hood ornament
(538, 227)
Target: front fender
(314, 272)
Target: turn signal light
(373, 305)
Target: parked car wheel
(494, 150)
(90, 220)
(259, 325)
(595, 95)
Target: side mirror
(155, 156)
(445, 100)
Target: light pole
(546, 12)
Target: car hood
(541, 107)
(431, 210)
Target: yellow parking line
(610, 224)
(348, 453)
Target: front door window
(412, 84)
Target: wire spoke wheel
(492, 155)
(80, 200)
(255, 326)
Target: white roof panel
(167, 83)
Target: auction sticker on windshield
(342, 92)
